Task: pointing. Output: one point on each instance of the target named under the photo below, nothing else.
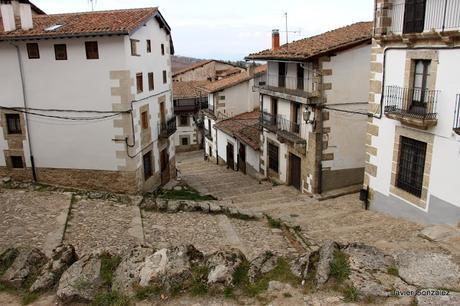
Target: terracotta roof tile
(317, 45)
(233, 80)
(184, 90)
(87, 23)
(200, 64)
(244, 127)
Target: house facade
(413, 141)
(313, 109)
(209, 70)
(227, 98)
(86, 102)
(189, 100)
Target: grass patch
(143, 293)
(274, 223)
(340, 269)
(228, 293)
(6, 259)
(199, 281)
(111, 298)
(350, 294)
(28, 298)
(393, 270)
(108, 266)
(186, 193)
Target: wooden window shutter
(414, 16)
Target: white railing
(440, 15)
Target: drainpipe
(26, 115)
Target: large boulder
(81, 282)
(61, 259)
(429, 270)
(126, 276)
(369, 268)
(222, 264)
(261, 265)
(25, 268)
(326, 255)
(169, 268)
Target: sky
(232, 29)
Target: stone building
(209, 70)
(314, 108)
(86, 99)
(413, 141)
(189, 99)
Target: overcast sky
(232, 29)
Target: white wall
(188, 130)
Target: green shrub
(273, 223)
(110, 298)
(109, 264)
(350, 293)
(339, 267)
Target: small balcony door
(282, 69)
(164, 165)
(414, 16)
(242, 158)
(419, 91)
(162, 114)
(230, 159)
(300, 77)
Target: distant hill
(181, 62)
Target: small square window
(221, 97)
(149, 46)
(139, 83)
(134, 49)
(151, 81)
(13, 123)
(33, 51)
(183, 120)
(60, 52)
(148, 170)
(16, 162)
(162, 49)
(165, 79)
(145, 120)
(92, 50)
(184, 141)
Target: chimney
(25, 12)
(7, 11)
(275, 39)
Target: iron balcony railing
(190, 106)
(168, 128)
(457, 116)
(279, 123)
(287, 84)
(411, 102)
(440, 15)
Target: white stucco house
(85, 98)
(227, 98)
(314, 109)
(413, 140)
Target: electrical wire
(59, 117)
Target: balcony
(207, 134)
(457, 116)
(189, 106)
(411, 106)
(167, 129)
(440, 16)
(286, 130)
(287, 85)
(209, 111)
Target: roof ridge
(97, 12)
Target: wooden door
(164, 165)
(162, 114)
(294, 165)
(230, 159)
(242, 158)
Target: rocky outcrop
(326, 255)
(299, 266)
(25, 268)
(222, 264)
(429, 270)
(452, 299)
(7, 258)
(261, 265)
(81, 282)
(61, 259)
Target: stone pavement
(341, 219)
(32, 219)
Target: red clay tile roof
(233, 80)
(83, 24)
(184, 90)
(306, 48)
(244, 127)
(200, 64)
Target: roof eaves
(60, 36)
